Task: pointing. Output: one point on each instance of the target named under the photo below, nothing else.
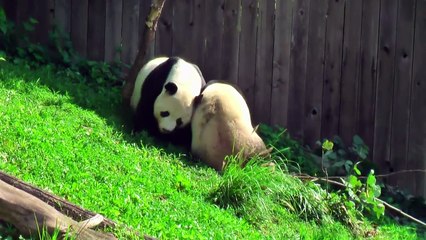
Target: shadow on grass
(104, 100)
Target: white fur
(179, 105)
(189, 83)
(140, 79)
(221, 126)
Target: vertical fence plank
(130, 31)
(417, 145)
(196, 43)
(296, 101)
(40, 11)
(23, 11)
(264, 57)
(113, 26)
(401, 94)
(79, 25)
(188, 30)
(247, 54)
(281, 62)
(213, 31)
(163, 35)
(42, 14)
(184, 37)
(27, 9)
(199, 28)
(230, 41)
(332, 72)
(96, 30)
(367, 87)
(315, 72)
(63, 15)
(350, 71)
(385, 80)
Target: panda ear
(171, 88)
(197, 100)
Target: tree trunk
(31, 216)
(59, 204)
(146, 39)
(71, 213)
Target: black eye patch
(179, 122)
(164, 114)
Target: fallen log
(75, 212)
(31, 215)
(85, 218)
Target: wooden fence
(317, 67)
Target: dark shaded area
(103, 99)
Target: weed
(67, 137)
(59, 53)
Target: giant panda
(221, 126)
(162, 98)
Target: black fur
(144, 118)
(151, 88)
(171, 88)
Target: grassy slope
(69, 139)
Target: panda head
(173, 107)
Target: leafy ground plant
(62, 129)
(68, 138)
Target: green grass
(67, 138)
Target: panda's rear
(221, 126)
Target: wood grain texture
(315, 72)
(402, 93)
(43, 14)
(213, 31)
(231, 41)
(27, 214)
(63, 15)
(351, 62)
(69, 209)
(25, 11)
(130, 31)
(368, 74)
(143, 48)
(298, 61)
(184, 37)
(247, 53)
(281, 62)
(79, 10)
(113, 24)
(163, 35)
(197, 34)
(385, 84)
(417, 137)
(96, 30)
(264, 62)
(332, 72)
